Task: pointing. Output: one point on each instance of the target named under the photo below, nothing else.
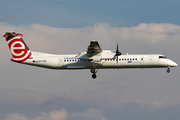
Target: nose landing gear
(168, 70)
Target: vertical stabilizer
(19, 50)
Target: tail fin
(19, 50)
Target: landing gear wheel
(94, 76)
(168, 70)
(92, 70)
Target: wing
(92, 52)
(94, 48)
(95, 53)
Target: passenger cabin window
(162, 57)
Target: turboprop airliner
(94, 58)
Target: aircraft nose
(173, 64)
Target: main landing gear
(93, 70)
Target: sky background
(66, 27)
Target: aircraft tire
(94, 76)
(168, 70)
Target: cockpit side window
(162, 57)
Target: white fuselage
(124, 61)
(94, 58)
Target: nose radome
(173, 64)
(176, 64)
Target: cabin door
(142, 61)
(61, 61)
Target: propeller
(117, 54)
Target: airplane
(94, 58)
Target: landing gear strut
(92, 70)
(168, 70)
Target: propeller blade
(117, 54)
(117, 50)
(116, 59)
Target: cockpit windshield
(162, 57)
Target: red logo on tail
(18, 50)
